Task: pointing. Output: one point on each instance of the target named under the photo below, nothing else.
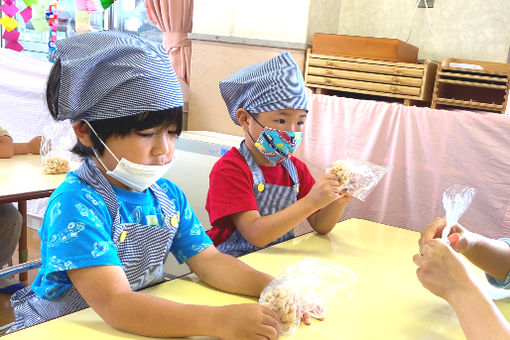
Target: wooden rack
(471, 84)
(409, 81)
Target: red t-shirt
(231, 190)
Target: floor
(6, 314)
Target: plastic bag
(456, 199)
(357, 176)
(57, 140)
(305, 287)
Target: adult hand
(442, 271)
(248, 321)
(460, 238)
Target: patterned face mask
(133, 175)
(278, 145)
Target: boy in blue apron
(110, 225)
(260, 192)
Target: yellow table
(22, 179)
(388, 302)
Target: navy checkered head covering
(112, 74)
(274, 84)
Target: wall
(215, 61)
(475, 29)
(231, 34)
(282, 20)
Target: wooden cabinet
(471, 84)
(364, 47)
(409, 81)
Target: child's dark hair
(109, 127)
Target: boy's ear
(82, 132)
(242, 117)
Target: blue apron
(270, 198)
(142, 250)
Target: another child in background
(10, 218)
(110, 226)
(8, 148)
(260, 192)
(443, 272)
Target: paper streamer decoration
(107, 3)
(11, 35)
(26, 14)
(12, 40)
(39, 18)
(9, 9)
(9, 22)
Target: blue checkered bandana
(274, 84)
(111, 74)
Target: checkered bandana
(270, 85)
(111, 74)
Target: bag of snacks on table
(57, 140)
(357, 176)
(305, 287)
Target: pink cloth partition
(426, 151)
(174, 19)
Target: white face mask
(136, 176)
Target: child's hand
(460, 238)
(34, 145)
(247, 321)
(345, 197)
(307, 319)
(442, 271)
(324, 191)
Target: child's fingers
(454, 239)
(306, 318)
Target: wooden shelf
(471, 83)
(365, 76)
(472, 77)
(485, 88)
(471, 104)
(374, 77)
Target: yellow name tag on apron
(122, 236)
(174, 220)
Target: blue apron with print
(142, 250)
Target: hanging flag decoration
(8, 21)
(39, 21)
(107, 3)
(26, 14)
(43, 16)
(82, 18)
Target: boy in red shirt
(260, 192)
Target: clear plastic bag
(57, 140)
(456, 199)
(305, 287)
(357, 176)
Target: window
(79, 16)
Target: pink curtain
(174, 19)
(426, 151)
